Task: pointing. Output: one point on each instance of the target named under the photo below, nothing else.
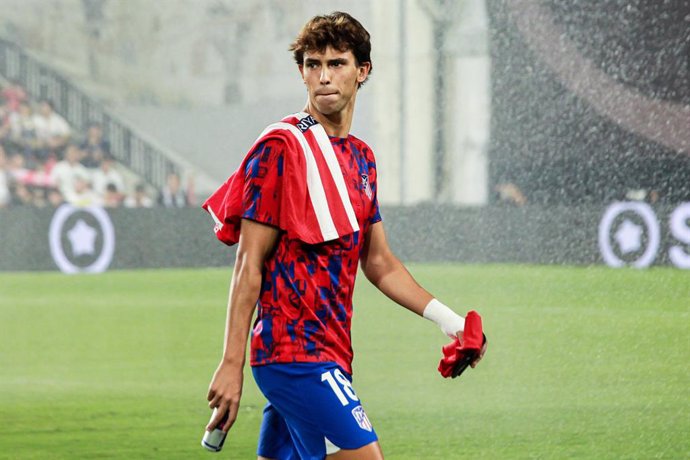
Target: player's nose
(325, 77)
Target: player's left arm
(385, 271)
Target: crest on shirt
(366, 186)
(361, 418)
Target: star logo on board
(629, 234)
(82, 237)
(82, 240)
(629, 237)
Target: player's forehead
(328, 53)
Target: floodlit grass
(583, 363)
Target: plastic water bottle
(213, 440)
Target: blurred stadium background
(475, 109)
(506, 132)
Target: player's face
(332, 78)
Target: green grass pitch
(587, 363)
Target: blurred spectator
(38, 197)
(16, 166)
(52, 130)
(31, 177)
(510, 193)
(94, 146)
(55, 198)
(642, 194)
(5, 196)
(4, 123)
(14, 94)
(21, 195)
(139, 199)
(112, 198)
(172, 195)
(107, 174)
(23, 129)
(653, 196)
(191, 200)
(65, 171)
(81, 194)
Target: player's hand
(474, 363)
(480, 355)
(225, 392)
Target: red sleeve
(375, 213)
(263, 183)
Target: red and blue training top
(323, 201)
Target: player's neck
(335, 124)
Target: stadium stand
(50, 129)
(44, 166)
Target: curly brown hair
(338, 30)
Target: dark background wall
(591, 99)
(159, 238)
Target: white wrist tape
(450, 322)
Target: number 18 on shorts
(317, 403)
(342, 387)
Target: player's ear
(363, 71)
(300, 67)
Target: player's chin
(328, 108)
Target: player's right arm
(261, 197)
(255, 244)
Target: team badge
(362, 419)
(366, 186)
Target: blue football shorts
(312, 410)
